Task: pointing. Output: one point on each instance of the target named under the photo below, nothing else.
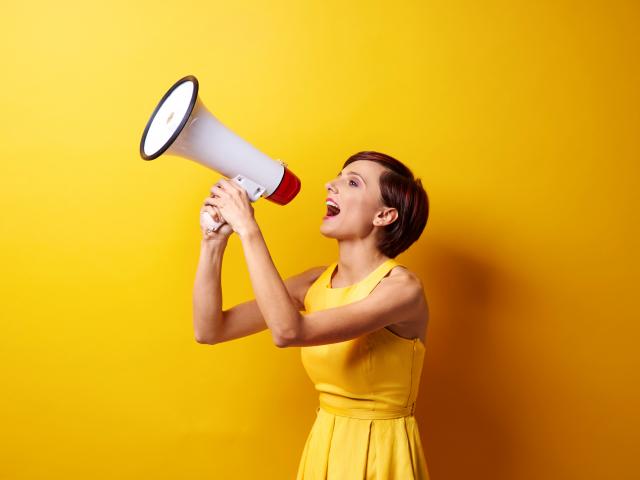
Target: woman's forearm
(207, 291)
(280, 313)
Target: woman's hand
(233, 203)
(223, 232)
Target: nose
(329, 186)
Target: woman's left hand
(234, 205)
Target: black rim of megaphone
(192, 102)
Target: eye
(350, 181)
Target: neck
(356, 259)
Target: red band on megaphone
(287, 190)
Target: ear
(384, 217)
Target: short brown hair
(399, 189)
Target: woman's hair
(400, 190)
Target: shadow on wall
(460, 408)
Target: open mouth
(332, 208)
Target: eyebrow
(354, 173)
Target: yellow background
(521, 118)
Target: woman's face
(356, 191)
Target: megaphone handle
(207, 221)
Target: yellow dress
(365, 426)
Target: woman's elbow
(285, 339)
(205, 336)
(281, 342)
(288, 335)
(205, 339)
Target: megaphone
(181, 125)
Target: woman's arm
(212, 324)
(207, 292)
(246, 318)
(279, 310)
(394, 300)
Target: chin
(326, 231)
(329, 229)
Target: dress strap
(317, 288)
(324, 280)
(320, 290)
(364, 287)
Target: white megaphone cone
(181, 125)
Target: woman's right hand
(223, 232)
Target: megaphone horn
(181, 125)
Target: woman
(360, 322)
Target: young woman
(360, 322)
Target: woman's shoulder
(405, 278)
(416, 326)
(402, 274)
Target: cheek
(360, 211)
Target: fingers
(221, 193)
(211, 205)
(225, 189)
(215, 202)
(221, 189)
(228, 186)
(241, 191)
(214, 212)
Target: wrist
(248, 231)
(213, 246)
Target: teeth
(329, 202)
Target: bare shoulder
(403, 273)
(297, 285)
(401, 277)
(415, 325)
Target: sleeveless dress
(365, 426)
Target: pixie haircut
(399, 189)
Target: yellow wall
(522, 120)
